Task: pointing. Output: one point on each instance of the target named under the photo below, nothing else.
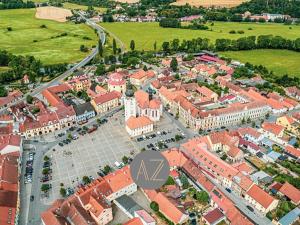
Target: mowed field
(210, 3)
(279, 61)
(46, 44)
(145, 34)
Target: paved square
(84, 156)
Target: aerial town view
(88, 87)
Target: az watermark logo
(150, 170)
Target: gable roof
(260, 196)
(291, 192)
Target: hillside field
(145, 34)
(69, 5)
(28, 38)
(279, 61)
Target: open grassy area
(69, 5)
(46, 44)
(279, 61)
(145, 34)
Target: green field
(69, 5)
(279, 61)
(145, 34)
(48, 48)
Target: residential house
(293, 92)
(138, 78)
(213, 217)
(289, 191)
(106, 102)
(84, 111)
(289, 123)
(10, 144)
(260, 199)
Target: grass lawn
(48, 48)
(69, 5)
(279, 61)
(145, 34)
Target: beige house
(136, 126)
(106, 102)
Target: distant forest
(15, 4)
(290, 7)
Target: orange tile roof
(142, 98)
(140, 74)
(199, 151)
(291, 192)
(243, 167)
(119, 179)
(275, 104)
(293, 151)
(175, 157)
(168, 208)
(272, 128)
(134, 221)
(260, 196)
(250, 131)
(138, 122)
(234, 152)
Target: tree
(166, 46)
(3, 91)
(63, 192)
(155, 46)
(86, 180)
(83, 48)
(178, 137)
(132, 45)
(100, 48)
(184, 181)
(106, 169)
(45, 171)
(174, 64)
(45, 187)
(46, 158)
(154, 206)
(9, 29)
(114, 46)
(202, 197)
(125, 159)
(100, 69)
(170, 181)
(29, 99)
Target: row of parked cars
(29, 168)
(150, 136)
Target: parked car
(250, 208)
(31, 198)
(227, 189)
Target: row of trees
(261, 42)
(243, 43)
(15, 4)
(21, 65)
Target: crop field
(145, 34)
(69, 5)
(55, 43)
(279, 61)
(210, 3)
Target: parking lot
(91, 152)
(86, 155)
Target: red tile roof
(116, 79)
(213, 216)
(100, 99)
(260, 196)
(291, 192)
(293, 151)
(272, 128)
